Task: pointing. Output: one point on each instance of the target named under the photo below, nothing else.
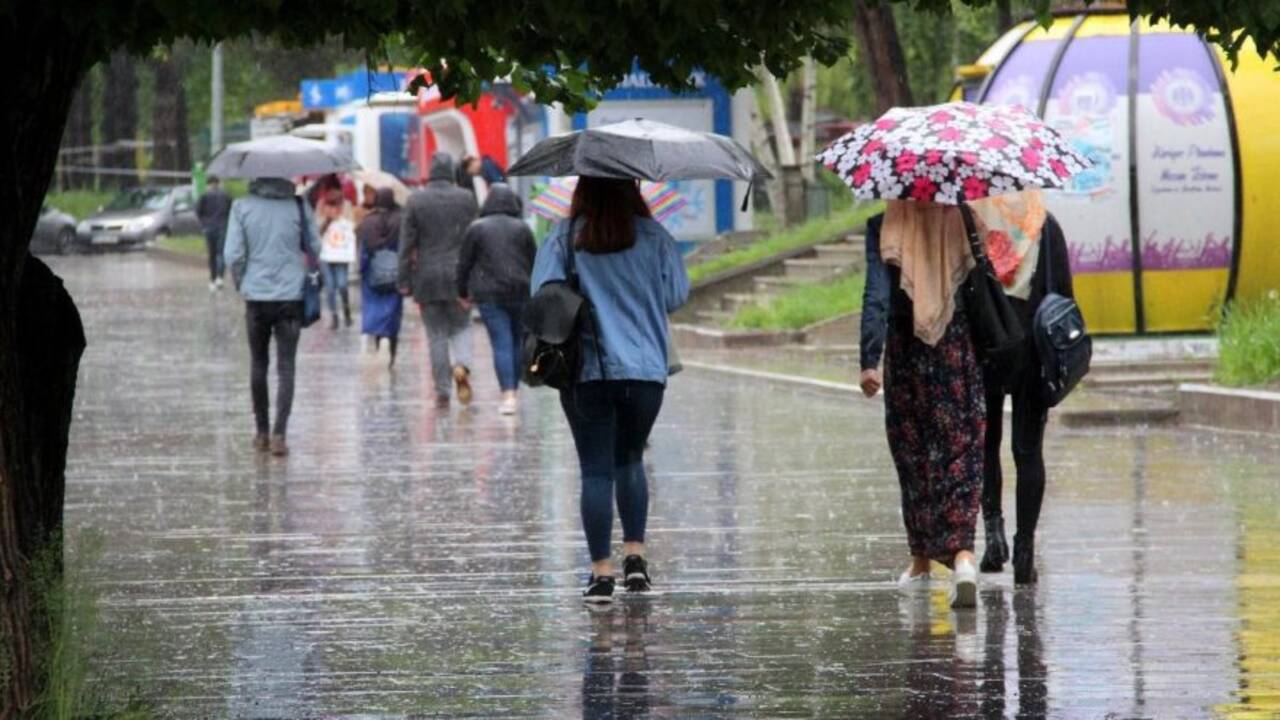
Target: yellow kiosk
(1181, 211)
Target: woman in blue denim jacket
(632, 276)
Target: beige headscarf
(1010, 226)
(929, 244)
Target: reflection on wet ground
(405, 561)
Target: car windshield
(139, 199)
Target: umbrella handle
(746, 199)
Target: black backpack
(553, 320)
(1062, 342)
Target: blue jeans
(335, 284)
(502, 320)
(611, 421)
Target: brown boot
(261, 443)
(462, 383)
(278, 446)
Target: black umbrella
(641, 149)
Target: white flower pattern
(951, 153)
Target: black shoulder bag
(1062, 342)
(997, 331)
(553, 320)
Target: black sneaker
(635, 574)
(599, 590)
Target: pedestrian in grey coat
(431, 232)
(266, 255)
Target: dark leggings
(611, 421)
(284, 321)
(1029, 417)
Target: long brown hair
(608, 207)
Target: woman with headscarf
(918, 257)
(380, 309)
(1026, 247)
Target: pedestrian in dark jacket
(435, 220)
(213, 209)
(493, 271)
(380, 311)
(1006, 222)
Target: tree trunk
(764, 151)
(808, 120)
(778, 115)
(1004, 15)
(35, 382)
(119, 129)
(882, 53)
(169, 117)
(78, 137)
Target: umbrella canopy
(381, 179)
(641, 149)
(280, 156)
(554, 201)
(952, 153)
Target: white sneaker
(909, 583)
(218, 283)
(213, 286)
(509, 404)
(964, 585)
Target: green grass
(1249, 342)
(76, 638)
(80, 203)
(803, 306)
(816, 230)
(185, 244)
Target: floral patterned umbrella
(952, 153)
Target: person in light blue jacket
(265, 252)
(632, 276)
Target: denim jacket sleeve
(875, 300)
(675, 278)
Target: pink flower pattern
(951, 153)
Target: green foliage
(80, 203)
(803, 306)
(1249, 342)
(817, 230)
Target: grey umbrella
(281, 156)
(641, 149)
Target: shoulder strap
(1045, 249)
(971, 230)
(304, 230)
(571, 275)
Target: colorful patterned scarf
(1010, 224)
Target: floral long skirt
(936, 418)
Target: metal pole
(215, 109)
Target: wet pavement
(411, 562)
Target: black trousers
(213, 243)
(1029, 417)
(283, 321)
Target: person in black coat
(213, 209)
(493, 271)
(1030, 414)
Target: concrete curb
(826, 387)
(1223, 408)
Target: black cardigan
(884, 301)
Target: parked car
(138, 216)
(55, 232)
